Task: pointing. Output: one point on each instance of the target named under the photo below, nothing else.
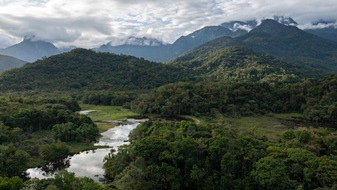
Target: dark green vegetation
(316, 99)
(286, 43)
(107, 79)
(64, 180)
(86, 70)
(239, 64)
(183, 155)
(38, 131)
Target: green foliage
(55, 152)
(70, 132)
(316, 99)
(108, 98)
(66, 181)
(14, 183)
(82, 69)
(190, 156)
(12, 161)
(239, 64)
(208, 98)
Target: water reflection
(89, 163)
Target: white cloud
(89, 23)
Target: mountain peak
(30, 49)
(269, 26)
(29, 37)
(137, 41)
(288, 21)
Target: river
(90, 163)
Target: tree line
(316, 99)
(183, 155)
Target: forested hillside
(316, 99)
(240, 64)
(86, 69)
(286, 43)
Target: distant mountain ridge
(8, 62)
(30, 50)
(233, 29)
(82, 69)
(287, 43)
(155, 50)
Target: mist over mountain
(287, 43)
(155, 50)
(233, 29)
(324, 29)
(31, 50)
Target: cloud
(90, 23)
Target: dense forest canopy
(240, 64)
(183, 155)
(316, 99)
(88, 70)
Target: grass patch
(104, 113)
(104, 126)
(76, 147)
(271, 125)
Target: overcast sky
(90, 23)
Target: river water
(90, 163)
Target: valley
(229, 109)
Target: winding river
(90, 163)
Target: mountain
(82, 69)
(30, 50)
(239, 64)
(159, 53)
(154, 50)
(8, 62)
(324, 29)
(287, 43)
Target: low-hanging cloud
(90, 23)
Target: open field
(270, 126)
(104, 116)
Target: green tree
(55, 152)
(13, 162)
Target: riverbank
(107, 117)
(90, 163)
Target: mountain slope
(162, 52)
(8, 62)
(287, 43)
(85, 69)
(239, 64)
(30, 50)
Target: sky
(91, 23)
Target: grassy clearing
(108, 113)
(270, 126)
(104, 116)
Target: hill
(287, 43)
(8, 62)
(239, 64)
(87, 70)
(31, 50)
